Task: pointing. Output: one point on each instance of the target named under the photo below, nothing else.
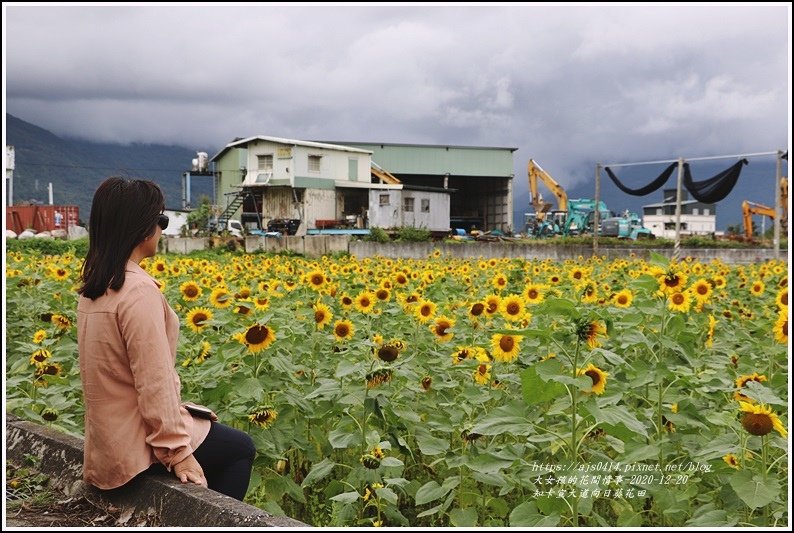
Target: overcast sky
(566, 85)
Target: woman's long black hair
(124, 213)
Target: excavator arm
(535, 172)
(748, 210)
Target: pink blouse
(133, 410)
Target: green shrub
(409, 234)
(77, 247)
(377, 235)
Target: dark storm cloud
(567, 85)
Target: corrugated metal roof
(426, 159)
(293, 142)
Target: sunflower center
(388, 353)
(477, 309)
(702, 290)
(425, 311)
(365, 302)
(319, 316)
(199, 318)
(256, 334)
(671, 281)
(342, 330)
(678, 298)
(595, 376)
(382, 294)
(346, 300)
(441, 329)
(506, 343)
(757, 423)
(513, 308)
(191, 291)
(532, 294)
(622, 300)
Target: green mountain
(76, 167)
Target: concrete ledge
(174, 504)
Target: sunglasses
(162, 221)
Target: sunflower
(623, 298)
(672, 281)
(346, 301)
(710, 333)
(322, 315)
(781, 298)
(483, 374)
(505, 348)
(383, 294)
(757, 288)
(261, 302)
(39, 336)
(204, 352)
(512, 308)
(343, 330)
(40, 356)
(741, 381)
(589, 331)
(197, 318)
(425, 310)
(499, 281)
(378, 377)
(257, 337)
(781, 328)
(243, 294)
(760, 420)
(598, 376)
(365, 302)
(60, 274)
(241, 309)
(316, 279)
(387, 353)
(533, 294)
(61, 322)
(48, 369)
(731, 460)
(159, 267)
(701, 290)
(441, 327)
(679, 301)
(263, 416)
(476, 310)
(190, 291)
(492, 303)
(221, 298)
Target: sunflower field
(451, 392)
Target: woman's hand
(190, 470)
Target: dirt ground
(32, 502)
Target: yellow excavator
(534, 173)
(752, 208)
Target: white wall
(176, 219)
(394, 215)
(695, 224)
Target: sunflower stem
(764, 459)
(574, 444)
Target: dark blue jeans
(226, 456)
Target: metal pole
(596, 215)
(677, 246)
(778, 207)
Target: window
(408, 205)
(265, 162)
(694, 210)
(384, 199)
(659, 211)
(314, 163)
(706, 211)
(425, 205)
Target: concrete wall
(310, 245)
(558, 253)
(319, 245)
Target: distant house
(697, 218)
(263, 179)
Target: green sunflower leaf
(753, 489)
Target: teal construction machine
(574, 216)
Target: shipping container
(41, 217)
